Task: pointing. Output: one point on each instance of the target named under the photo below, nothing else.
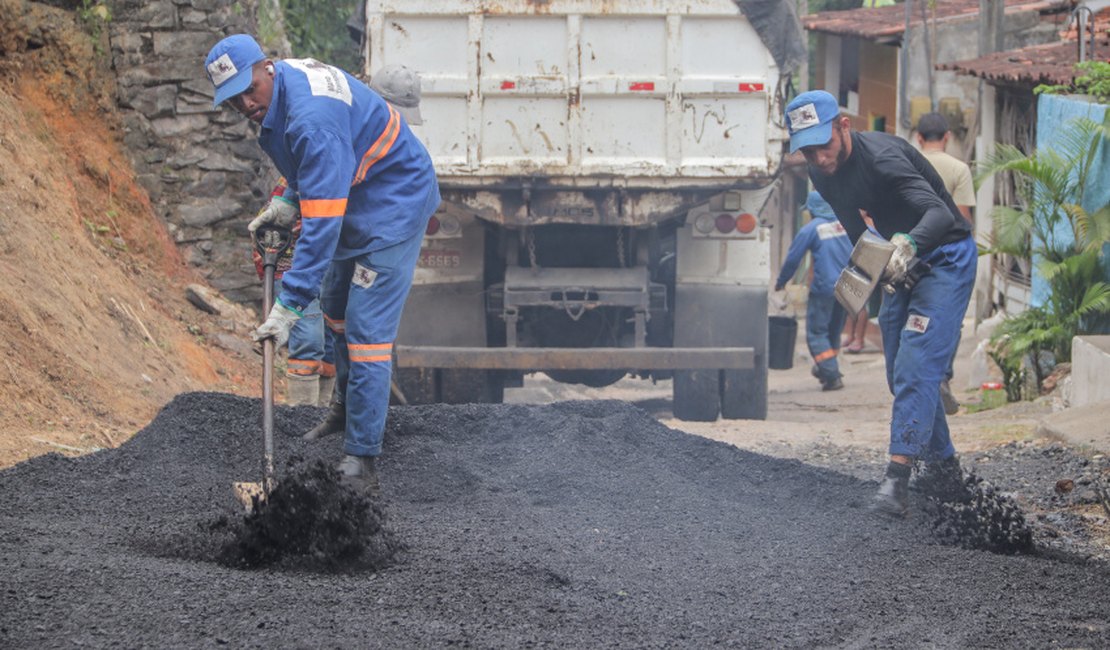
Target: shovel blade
(251, 495)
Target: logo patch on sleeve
(324, 80)
(363, 276)
(917, 323)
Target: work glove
(280, 211)
(277, 324)
(904, 268)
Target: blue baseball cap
(229, 65)
(809, 119)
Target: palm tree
(1051, 226)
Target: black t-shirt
(898, 188)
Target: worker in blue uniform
(920, 318)
(827, 242)
(366, 188)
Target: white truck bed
(637, 93)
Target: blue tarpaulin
(1055, 113)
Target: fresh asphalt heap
(576, 524)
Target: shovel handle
(271, 241)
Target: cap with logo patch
(229, 65)
(401, 87)
(809, 119)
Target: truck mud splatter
(568, 525)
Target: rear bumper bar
(537, 359)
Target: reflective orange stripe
(337, 326)
(370, 347)
(327, 369)
(302, 367)
(827, 354)
(323, 207)
(381, 146)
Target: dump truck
(604, 168)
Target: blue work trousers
(311, 350)
(921, 328)
(362, 301)
(824, 322)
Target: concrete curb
(1088, 426)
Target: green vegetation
(1051, 226)
(318, 29)
(1092, 78)
(95, 16)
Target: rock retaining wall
(201, 166)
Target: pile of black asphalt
(578, 524)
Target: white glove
(277, 324)
(900, 261)
(279, 211)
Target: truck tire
(418, 385)
(447, 386)
(744, 394)
(470, 387)
(697, 396)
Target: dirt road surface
(573, 524)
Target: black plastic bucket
(781, 335)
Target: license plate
(439, 259)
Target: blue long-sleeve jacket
(363, 180)
(826, 238)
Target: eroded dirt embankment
(576, 524)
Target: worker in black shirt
(920, 317)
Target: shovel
(271, 241)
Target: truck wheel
(418, 385)
(744, 394)
(470, 387)
(696, 395)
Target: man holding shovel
(929, 276)
(365, 187)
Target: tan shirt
(956, 176)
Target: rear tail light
(725, 223)
(704, 224)
(745, 223)
(433, 226)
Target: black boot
(942, 480)
(892, 499)
(360, 473)
(334, 422)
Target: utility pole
(992, 14)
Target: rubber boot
(327, 390)
(892, 499)
(334, 422)
(359, 473)
(302, 390)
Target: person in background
(827, 242)
(857, 325)
(365, 188)
(856, 330)
(400, 87)
(310, 365)
(932, 138)
(929, 276)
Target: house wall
(955, 94)
(878, 84)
